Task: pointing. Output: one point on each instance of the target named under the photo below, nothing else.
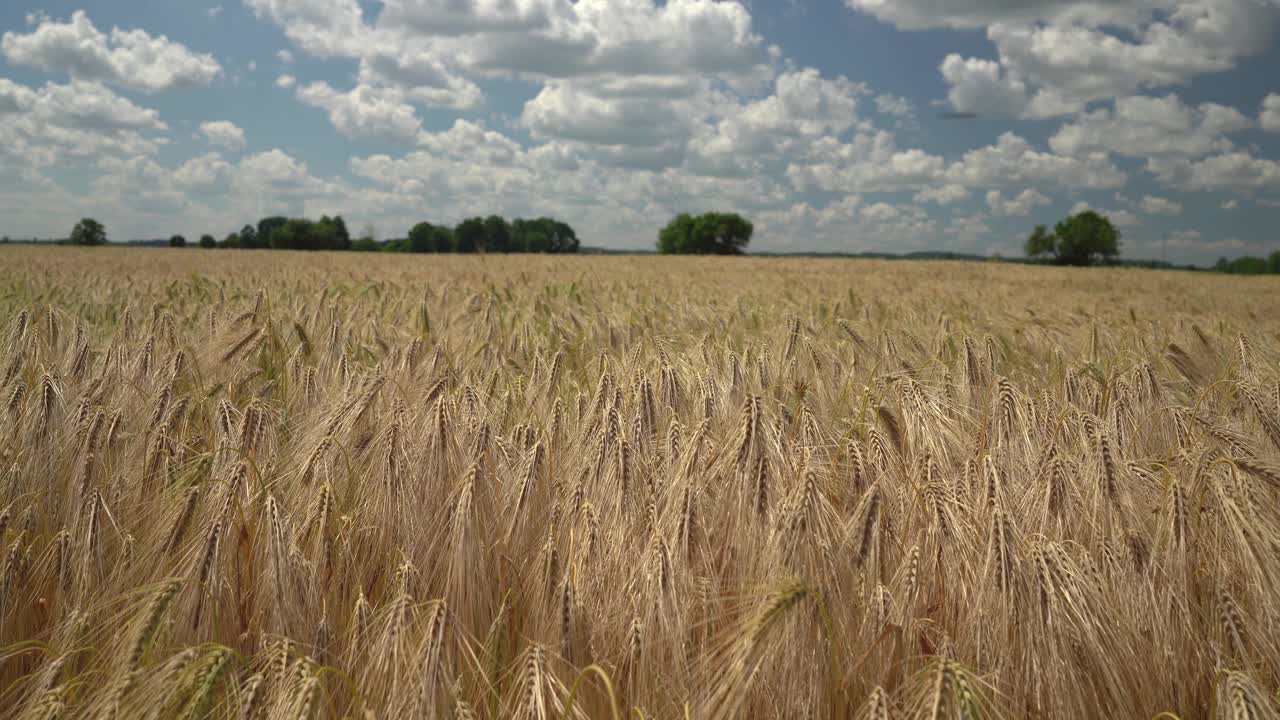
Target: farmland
(292, 485)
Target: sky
(862, 125)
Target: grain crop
(289, 485)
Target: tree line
(493, 234)
(1089, 237)
(1250, 265)
(1085, 238)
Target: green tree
(1273, 262)
(303, 234)
(88, 232)
(1086, 236)
(677, 237)
(543, 235)
(441, 239)
(266, 226)
(1247, 265)
(335, 230)
(1081, 239)
(322, 236)
(248, 238)
(420, 238)
(712, 233)
(177, 241)
(207, 241)
(722, 233)
(285, 236)
(528, 236)
(365, 244)
(563, 238)
(497, 235)
(468, 237)
(427, 238)
(342, 239)
(232, 240)
(1040, 244)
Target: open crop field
(286, 485)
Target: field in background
(285, 485)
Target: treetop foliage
(1081, 239)
(712, 233)
(1250, 265)
(302, 234)
(492, 234)
(88, 232)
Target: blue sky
(824, 122)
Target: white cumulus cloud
(1229, 172)
(223, 133)
(1054, 56)
(1154, 205)
(1269, 118)
(1021, 204)
(129, 58)
(79, 119)
(1144, 126)
(366, 112)
(1120, 218)
(979, 85)
(942, 194)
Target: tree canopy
(712, 233)
(365, 244)
(1250, 265)
(490, 234)
(207, 241)
(342, 238)
(1081, 239)
(497, 235)
(88, 232)
(262, 238)
(468, 237)
(428, 238)
(303, 234)
(177, 241)
(543, 235)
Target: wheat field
(282, 485)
